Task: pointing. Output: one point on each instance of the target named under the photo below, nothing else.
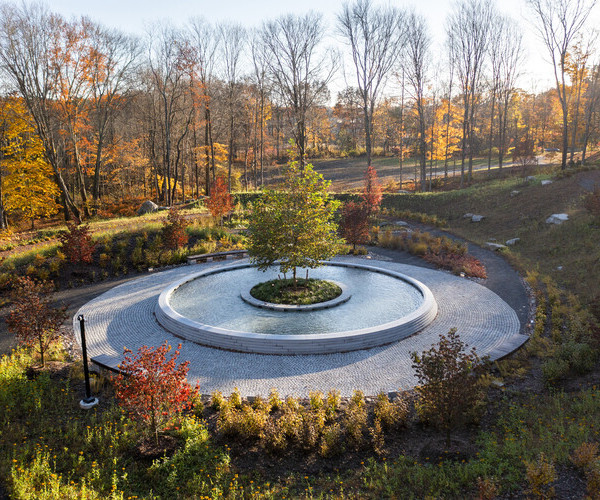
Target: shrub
(173, 232)
(585, 455)
(217, 400)
(76, 243)
(332, 404)
(372, 194)
(153, 388)
(355, 419)
(447, 390)
(32, 320)
(377, 438)
(354, 225)
(540, 475)
(220, 201)
(390, 414)
(332, 440)
(274, 400)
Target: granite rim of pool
(301, 344)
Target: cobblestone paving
(123, 317)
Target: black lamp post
(89, 401)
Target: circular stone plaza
(125, 317)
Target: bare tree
(468, 31)
(205, 42)
(375, 36)
(417, 46)
(509, 58)
(299, 73)
(167, 64)
(558, 22)
(26, 35)
(259, 63)
(114, 58)
(233, 39)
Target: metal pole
(89, 401)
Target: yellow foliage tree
(27, 186)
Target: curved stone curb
(123, 317)
(344, 297)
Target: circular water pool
(383, 306)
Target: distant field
(347, 174)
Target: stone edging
(328, 304)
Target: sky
(134, 15)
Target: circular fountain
(377, 306)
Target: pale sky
(133, 15)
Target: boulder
(557, 218)
(494, 246)
(400, 223)
(530, 178)
(513, 241)
(147, 207)
(546, 182)
(477, 218)
(514, 193)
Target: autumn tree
(77, 244)
(220, 201)
(294, 225)
(558, 23)
(32, 320)
(354, 224)
(372, 193)
(27, 35)
(173, 232)
(152, 387)
(27, 188)
(447, 390)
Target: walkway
(123, 317)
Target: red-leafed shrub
(354, 225)
(466, 264)
(372, 193)
(220, 201)
(152, 388)
(32, 320)
(77, 243)
(448, 392)
(173, 231)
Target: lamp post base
(88, 403)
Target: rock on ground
(147, 207)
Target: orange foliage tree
(220, 201)
(372, 191)
(77, 243)
(152, 388)
(173, 231)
